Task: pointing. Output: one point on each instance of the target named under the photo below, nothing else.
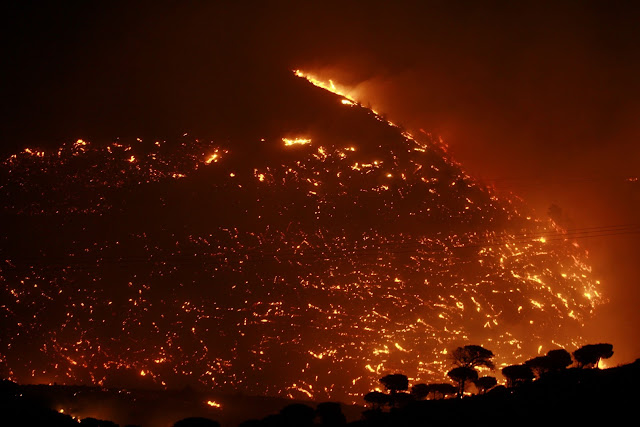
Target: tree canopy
(553, 361)
(472, 356)
(395, 382)
(377, 399)
(589, 356)
(461, 375)
(443, 389)
(420, 391)
(485, 383)
(539, 365)
(517, 374)
(558, 359)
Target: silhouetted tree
(395, 382)
(461, 375)
(517, 374)
(559, 359)
(377, 399)
(485, 383)
(420, 391)
(443, 388)
(589, 356)
(472, 356)
(539, 365)
(554, 360)
(196, 422)
(330, 414)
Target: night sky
(536, 98)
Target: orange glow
(214, 404)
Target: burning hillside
(305, 255)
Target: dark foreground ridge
(571, 397)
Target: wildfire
(330, 86)
(350, 258)
(214, 404)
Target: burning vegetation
(307, 261)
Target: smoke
(536, 99)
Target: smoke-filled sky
(537, 98)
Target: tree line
(467, 360)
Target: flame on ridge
(330, 86)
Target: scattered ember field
(303, 259)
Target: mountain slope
(305, 250)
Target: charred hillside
(304, 249)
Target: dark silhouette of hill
(569, 397)
(67, 405)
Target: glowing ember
(296, 141)
(214, 404)
(303, 273)
(212, 158)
